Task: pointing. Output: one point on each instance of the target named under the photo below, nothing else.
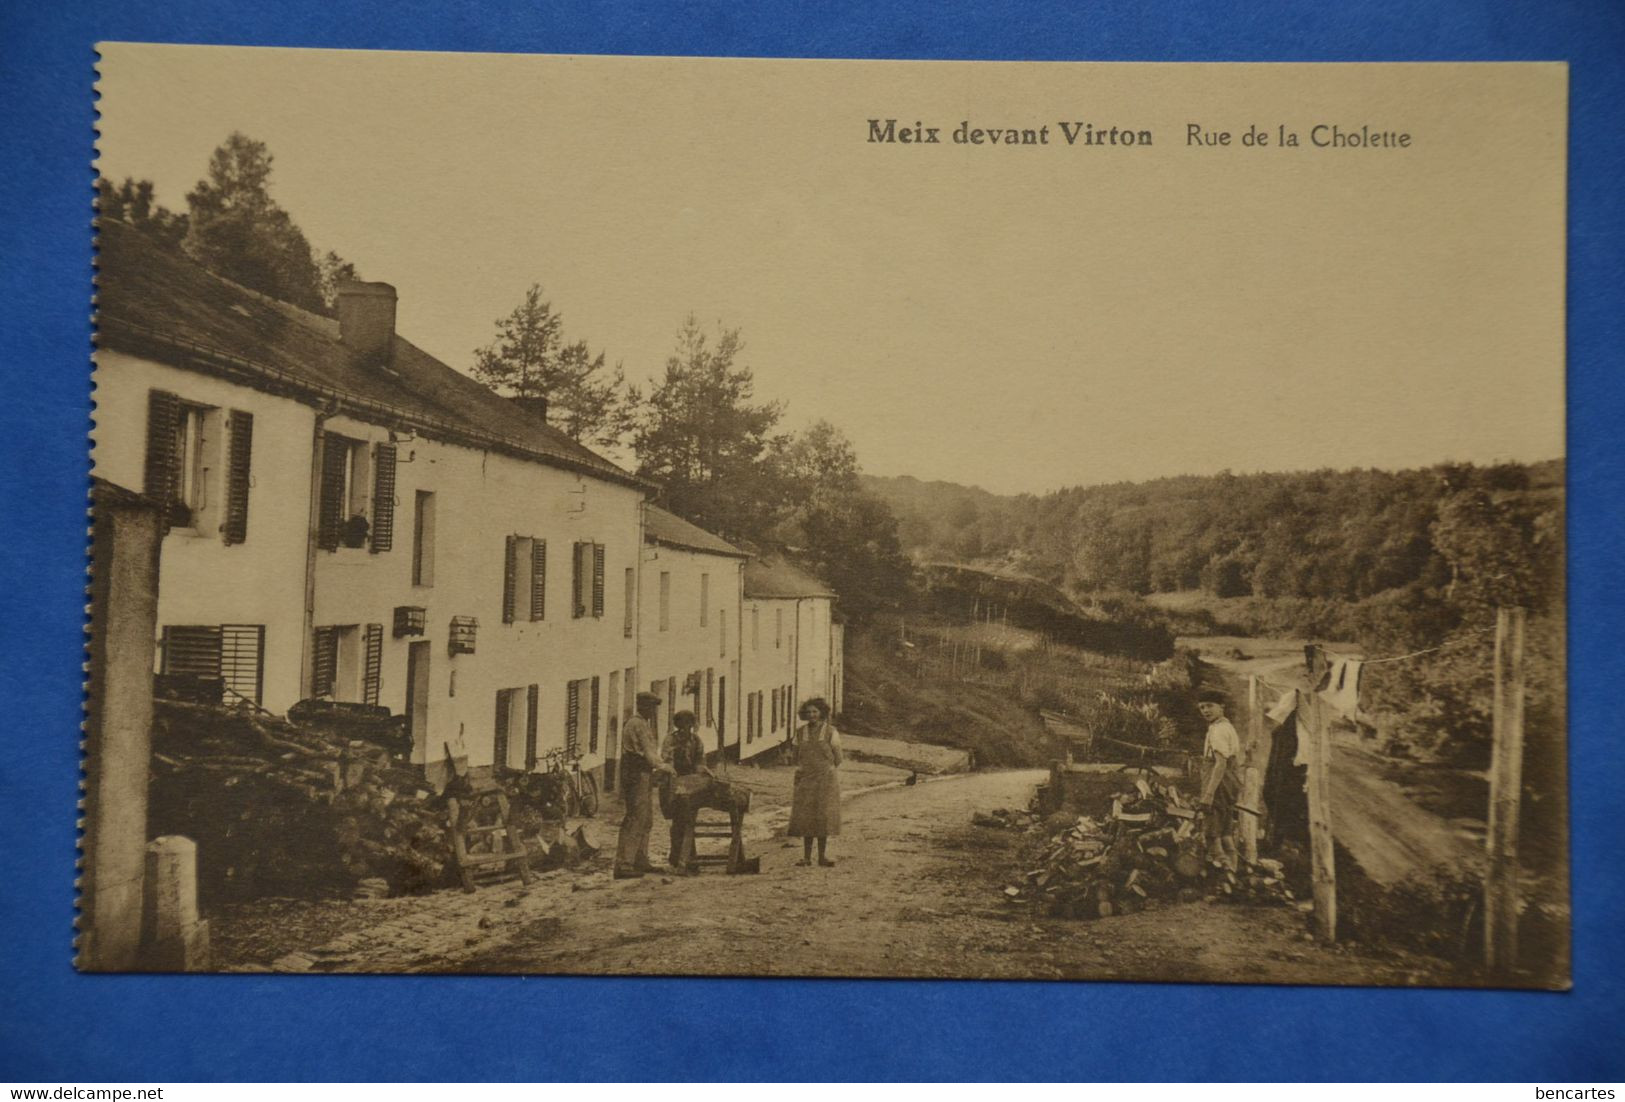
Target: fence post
(1252, 778)
(1506, 791)
(1322, 854)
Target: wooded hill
(1340, 535)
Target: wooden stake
(1322, 855)
(1506, 792)
(1252, 777)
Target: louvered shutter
(242, 651)
(533, 699)
(373, 665)
(193, 651)
(510, 579)
(238, 469)
(578, 582)
(324, 661)
(383, 497)
(499, 740)
(163, 469)
(598, 580)
(330, 511)
(538, 579)
(572, 719)
(710, 698)
(592, 721)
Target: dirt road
(915, 892)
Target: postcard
(694, 516)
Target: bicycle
(580, 789)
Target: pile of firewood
(1147, 846)
(278, 808)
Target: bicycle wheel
(589, 796)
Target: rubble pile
(278, 808)
(1146, 847)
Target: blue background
(56, 1025)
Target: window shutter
(499, 740)
(578, 582)
(631, 603)
(538, 579)
(592, 721)
(238, 469)
(330, 514)
(710, 698)
(242, 650)
(533, 699)
(163, 470)
(372, 664)
(383, 497)
(324, 661)
(510, 578)
(194, 651)
(572, 719)
(598, 581)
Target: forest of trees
(1392, 561)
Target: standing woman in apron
(815, 805)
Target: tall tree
(529, 359)
(237, 230)
(704, 438)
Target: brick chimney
(534, 406)
(367, 321)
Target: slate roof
(778, 578)
(155, 302)
(660, 526)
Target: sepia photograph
(715, 517)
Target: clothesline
(1415, 653)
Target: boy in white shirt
(1221, 788)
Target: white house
(352, 519)
(688, 648)
(792, 649)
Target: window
(631, 598)
(423, 539)
(665, 600)
(342, 507)
(705, 598)
(755, 628)
(338, 661)
(184, 450)
(587, 582)
(778, 628)
(504, 725)
(232, 654)
(524, 579)
(613, 719)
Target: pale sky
(1017, 318)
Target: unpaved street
(915, 892)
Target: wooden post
(1252, 777)
(1322, 856)
(1506, 790)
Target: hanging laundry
(1283, 707)
(1342, 689)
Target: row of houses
(347, 518)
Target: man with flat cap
(1221, 786)
(640, 761)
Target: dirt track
(915, 892)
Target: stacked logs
(278, 808)
(1147, 846)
